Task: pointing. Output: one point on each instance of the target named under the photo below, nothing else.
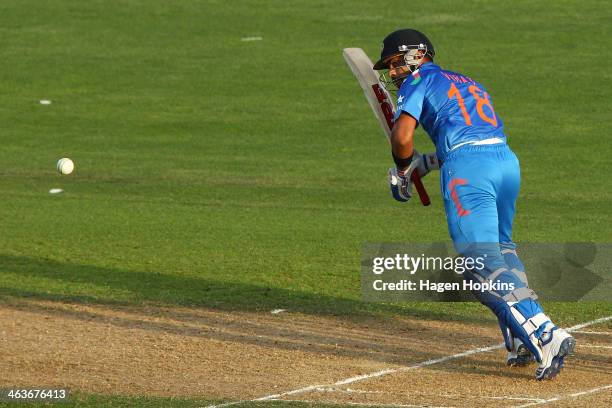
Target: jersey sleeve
(411, 96)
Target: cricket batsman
(479, 179)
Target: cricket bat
(380, 101)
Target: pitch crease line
(566, 396)
(364, 404)
(594, 332)
(594, 346)
(387, 371)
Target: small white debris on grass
(251, 39)
(277, 311)
(362, 18)
(45, 102)
(56, 191)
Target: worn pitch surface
(242, 356)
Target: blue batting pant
(480, 185)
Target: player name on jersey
(460, 79)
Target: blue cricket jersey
(452, 108)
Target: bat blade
(380, 101)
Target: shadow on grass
(92, 284)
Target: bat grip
(420, 188)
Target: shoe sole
(523, 358)
(520, 361)
(567, 347)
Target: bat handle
(420, 188)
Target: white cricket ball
(65, 166)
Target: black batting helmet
(402, 41)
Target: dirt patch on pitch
(242, 355)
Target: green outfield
(246, 175)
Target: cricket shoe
(520, 355)
(556, 344)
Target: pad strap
(532, 324)
(520, 294)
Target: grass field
(245, 175)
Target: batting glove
(399, 181)
(427, 163)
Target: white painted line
(282, 394)
(594, 346)
(512, 398)
(587, 324)
(387, 371)
(362, 404)
(566, 396)
(247, 39)
(277, 311)
(368, 376)
(418, 365)
(348, 391)
(581, 393)
(593, 332)
(531, 404)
